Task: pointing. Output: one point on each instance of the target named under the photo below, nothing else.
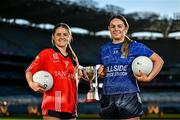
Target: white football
(44, 78)
(143, 64)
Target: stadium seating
(20, 44)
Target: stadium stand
(28, 42)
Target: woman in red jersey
(60, 102)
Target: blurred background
(25, 29)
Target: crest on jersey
(55, 57)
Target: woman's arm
(157, 66)
(33, 85)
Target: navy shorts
(61, 115)
(121, 106)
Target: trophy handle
(96, 86)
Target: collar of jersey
(57, 50)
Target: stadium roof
(53, 12)
(92, 19)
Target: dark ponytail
(70, 54)
(125, 47)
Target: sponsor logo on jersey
(116, 70)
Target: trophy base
(90, 100)
(90, 97)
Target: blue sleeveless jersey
(119, 77)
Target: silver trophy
(90, 74)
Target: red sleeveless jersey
(63, 95)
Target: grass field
(147, 117)
(93, 116)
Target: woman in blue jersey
(120, 99)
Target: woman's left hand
(142, 77)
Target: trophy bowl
(89, 73)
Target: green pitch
(93, 116)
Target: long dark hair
(127, 40)
(69, 49)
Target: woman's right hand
(36, 87)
